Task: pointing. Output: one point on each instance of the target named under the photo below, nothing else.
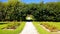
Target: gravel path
(29, 29)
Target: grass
(16, 31)
(53, 24)
(40, 29)
(43, 31)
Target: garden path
(29, 29)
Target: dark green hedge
(11, 11)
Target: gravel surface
(29, 29)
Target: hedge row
(11, 11)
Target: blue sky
(37, 1)
(3, 0)
(32, 1)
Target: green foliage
(17, 11)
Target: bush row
(18, 11)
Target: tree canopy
(15, 10)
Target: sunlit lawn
(43, 31)
(16, 31)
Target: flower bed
(11, 26)
(51, 28)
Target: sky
(37, 1)
(32, 1)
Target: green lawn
(16, 31)
(43, 31)
(56, 24)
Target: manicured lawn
(52, 25)
(43, 31)
(16, 31)
(40, 29)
